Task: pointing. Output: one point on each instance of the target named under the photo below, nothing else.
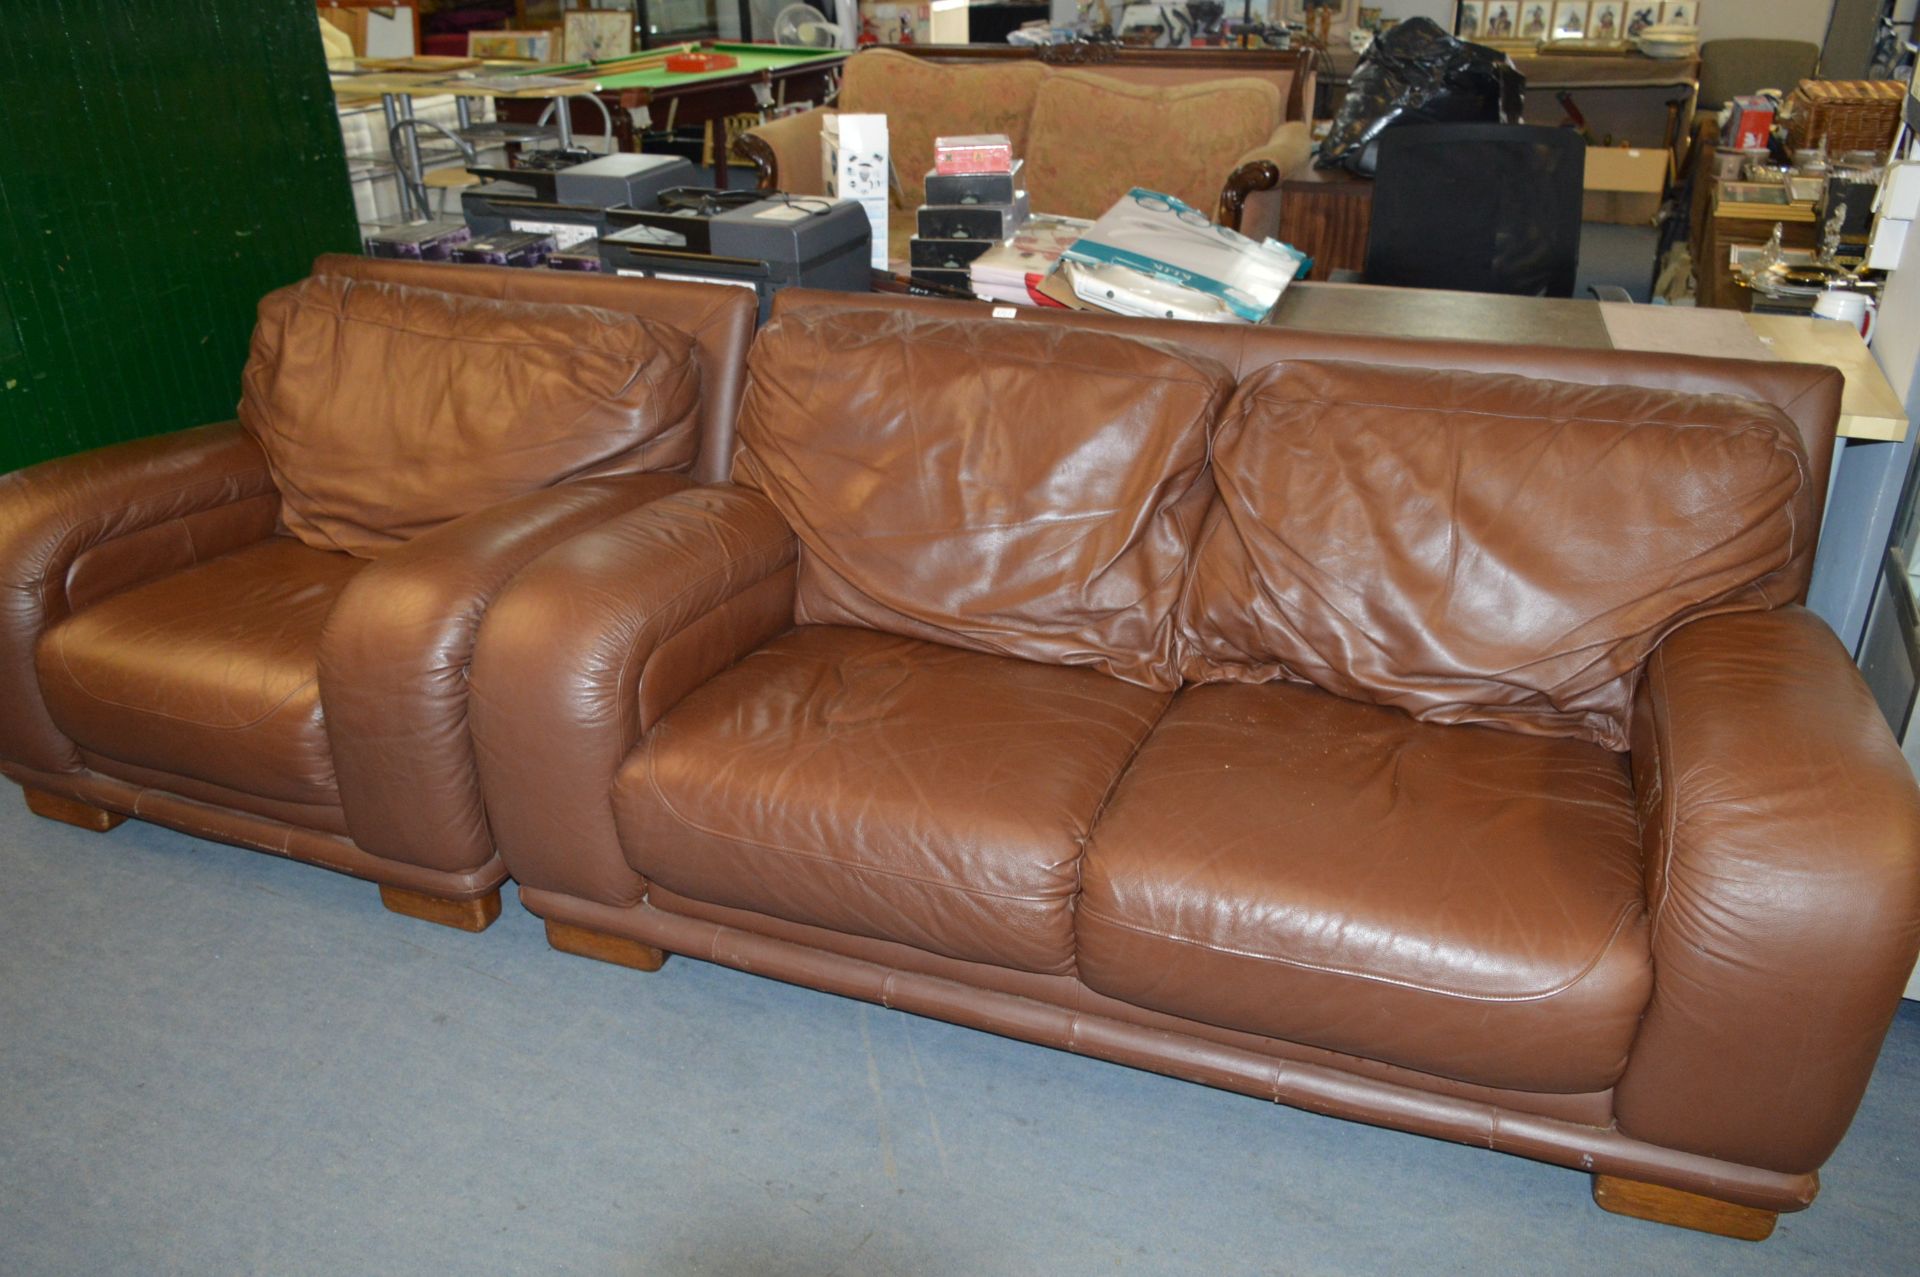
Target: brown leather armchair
(260, 634)
(1348, 722)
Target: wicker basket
(1851, 115)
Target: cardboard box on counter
(1624, 185)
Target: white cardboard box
(1889, 237)
(1900, 192)
(855, 160)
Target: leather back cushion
(1095, 137)
(993, 486)
(922, 99)
(387, 410)
(1482, 548)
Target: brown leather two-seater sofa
(1427, 734)
(258, 632)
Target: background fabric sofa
(1422, 733)
(1087, 136)
(259, 633)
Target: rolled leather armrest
(394, 660)
(590, 645)
(78, 528)
(1250, 200)
(786, 152)
(1781, 829)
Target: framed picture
(1467, 22)
(1533, 19)
(1570, 20)
(1754, 193)
(1640, 16)
(1297, 10)
(900, 23)
(513, 46)
(594, 35)
(1806, 189)
(1606, 20)
(1680, 13)
(1502, 20)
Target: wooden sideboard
(1327, 213)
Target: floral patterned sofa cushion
(922, 99)
(1093, 137)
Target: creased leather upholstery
(1026, 492)
(1455, 900)
(394, 661)
(1522, 941)
(172, 493)
(1489, 549)
(560, 664)
(719, 320)
(210, 672)
(886, 787)
(1807, 394)
(227, 681)
(1780, 824)
(497, 399)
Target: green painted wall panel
(164, 164)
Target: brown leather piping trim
(1627, 911)
(60, 647)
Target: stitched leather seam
(1669, 792)
(1198, 378)
(59, 555)
(1787, 408)
(1627, 911)
(1268, 397)
(634, 653)
(649, 326)
(1114, 784)
(90, 694)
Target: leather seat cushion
(211, 672)
(1458, 900)
(1473, 547)
(1023, 489)
(886, 787)
(387, 410)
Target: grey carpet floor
(216, 1062)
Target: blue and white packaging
(1161, 236)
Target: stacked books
(975, 202)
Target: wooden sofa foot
(466, 915)
(618, 950)
(1682, 1209)
(71, 811)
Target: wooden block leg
(71, 811)
(1682, 1209)
(467, 915)
(618, 950)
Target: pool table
(642, 95)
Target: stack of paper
(1155, 237)
(1005, 272)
